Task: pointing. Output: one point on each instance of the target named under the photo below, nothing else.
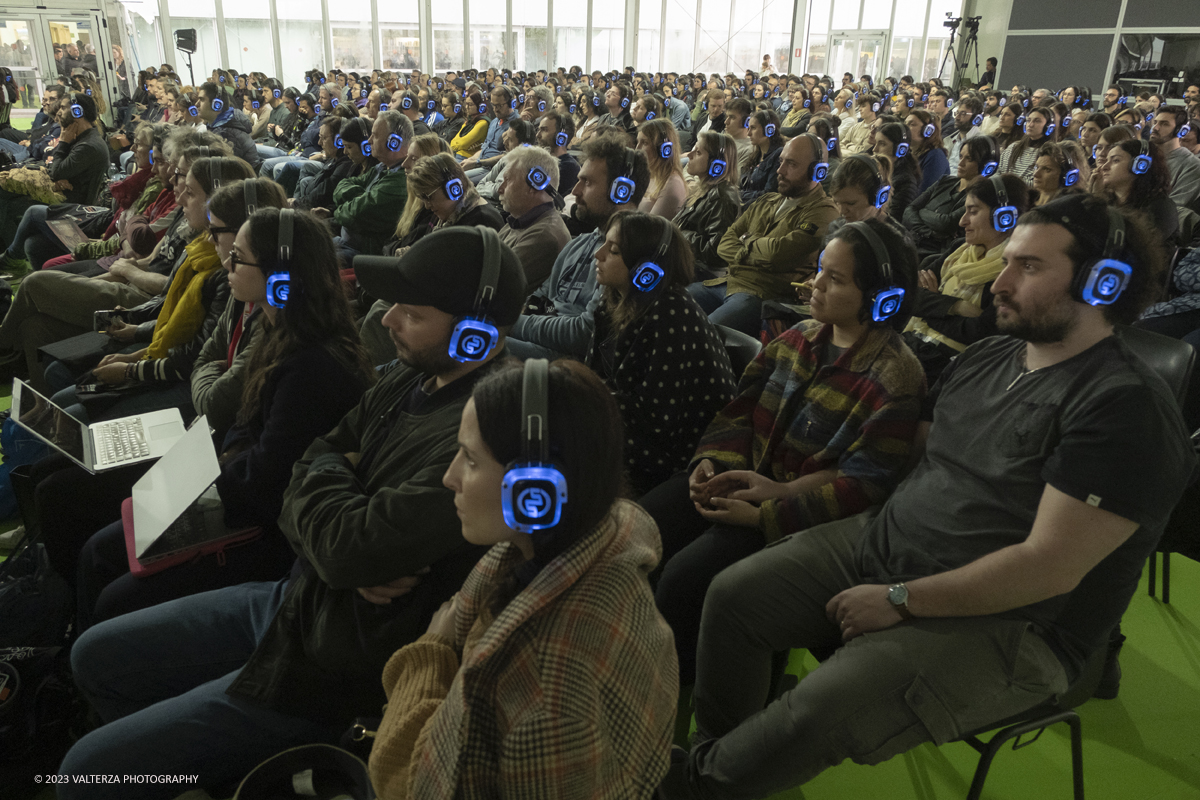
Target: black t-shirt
(988, 79)
(1100, 427)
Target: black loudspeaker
(185, 40)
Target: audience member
(1133, 184)
(1061, 168)
(911, 576)
(554, 132)
(1169, 125)
(761, 174)
(1020, 158)
(535, 230)
(713, 200)
(659, 142)
(892, 141)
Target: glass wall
(248, 36)
(698, 35)
(400, 31)
(201, 15)
(570, 33)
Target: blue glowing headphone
(255, 104)
(746, 122)
(383, 107)
(622, 188)
(624, 102)
(595, 99)
(1100, 281)
(649, 115)
(1001, 102)
(885, 189)
(902, 146)
(561, 138)
(333, 102)
(483, 108)
(1183, 131)
(541, 105)
(1070, 175)
(279, 282)
(1142, 161)
(430, 104)
(977, 120)
(407, 101)
(394, 142)
(338, 142)
(666, 149)
(366, 148)
(1020, 121)
(76, 109)
(993, 163)
(475, 336)
(538, 178)
(217, 104)
(648, 274)
(885, 302)
(364, 93)
(453, 186)
(716, 168)
(928, 130)
(1004, 215)
(534, 491)
(819, 170)
(1049, 128)
(88, 92)
(572, 108)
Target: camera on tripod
(953, 22)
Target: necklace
(1024, 371)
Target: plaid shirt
(793, 417)
(569, 693)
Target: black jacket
(763, 178)
(704, 223)
(318, 193)
(83, 162)
(932, 219)
(235, 129)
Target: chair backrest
(742, 348)
(1170, 358)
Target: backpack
(36, 604)
(40, 714)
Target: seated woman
(713, 200)
(826, 127)
(950, 314)
(469, 138)
(417, 220)
(659, 141)
(452, 116)
(820, 429)
(767, 138)
(158, 375)
(433, 180)
(306, 373)
(1089, 134)
(892, 141)
(932, 219)
(655, 348)
(925, 133)
(1020, 159)
(1180, 315)
(1061, 168)
(1147, 191)
(861, 191)
(577, 696)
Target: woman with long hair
(659, 141)
(1061, 168)
(892, 141)
(441, 184)
(645, 323)
(933, 218)
(826, 127)
(501, 672)
(1020, 159)
(766, 136)
(1130, 182)
(417, 219)
(820, 430)
(590, 106)
(713, 200)
(453, 116)
(1110, 136)
(470, 136)
(942, 327)
(1009, 127)
(925, 132)
(1089, 134)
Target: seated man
(553, 133)
(1014, 541)
(503, 113)
(219, 681)
(287, 170)
(570, 296)
(766, 246)
(368, 206)
(535, 230)
(218, 113)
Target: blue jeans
(741, 311)
(266, 151)
(169, 395)
(157, 679)
(15, 150)
(34, 239)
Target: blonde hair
(661, 169)
(429, 174)
(715, 145)
(423, 146)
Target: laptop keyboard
(120, 440)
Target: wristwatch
(897, 595)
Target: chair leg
(1166, 577)
(1153, 571)
(1076, 754)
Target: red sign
(797, 52)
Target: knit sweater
(793, 417)
(569, 692)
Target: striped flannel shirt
(570, 692)
(793, 417)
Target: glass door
(19, 53)
(857, 52)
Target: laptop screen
(51, 423)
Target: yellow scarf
(964, 274)
(183, 310)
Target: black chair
(742, 348)
(1172, 360)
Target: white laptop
(102, 445)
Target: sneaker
(9, 539)
(14, 268)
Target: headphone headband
(885, 302)
(1004, 215)
(475, 337)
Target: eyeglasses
(234, 261)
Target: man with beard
(965, 113)
(1001, 564)
(230, 677)
(569, 297)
